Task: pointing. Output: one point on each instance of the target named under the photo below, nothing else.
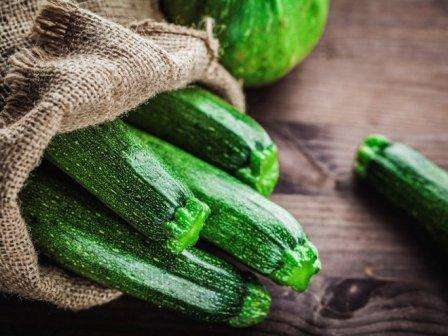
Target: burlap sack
(62, 67)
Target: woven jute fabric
(64, 66)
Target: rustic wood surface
(381, 67)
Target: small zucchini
(408, 180)
(208, 127)
(242, 222)
(79, 233)
(110, 162)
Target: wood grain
(382, 67)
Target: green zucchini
(408, 180)
(83, 236)
(242, 222)
(260, 40)
(108, 159)
(211, 129)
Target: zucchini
(260, 40)
(83, 236)
(108, 161)
(408, 180)
(242, 222)
(211, 129)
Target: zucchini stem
(370, 147)
(263, 170)
(187, 224)
(298, 266)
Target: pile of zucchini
(123, 204)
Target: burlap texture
(62, 67)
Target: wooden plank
(325, 152)
(332, 306)
(381, 68)
(382, 64)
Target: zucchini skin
(260, 40)
(108, 161)
(82, 235)
(209, 128)
(408, 180)
(242, 222)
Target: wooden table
(381, 67)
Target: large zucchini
(211, 129)
(108, 160)
(408, 180)
(242, 222)
(261, 40)
(83, 236)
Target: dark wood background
(381, 67)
